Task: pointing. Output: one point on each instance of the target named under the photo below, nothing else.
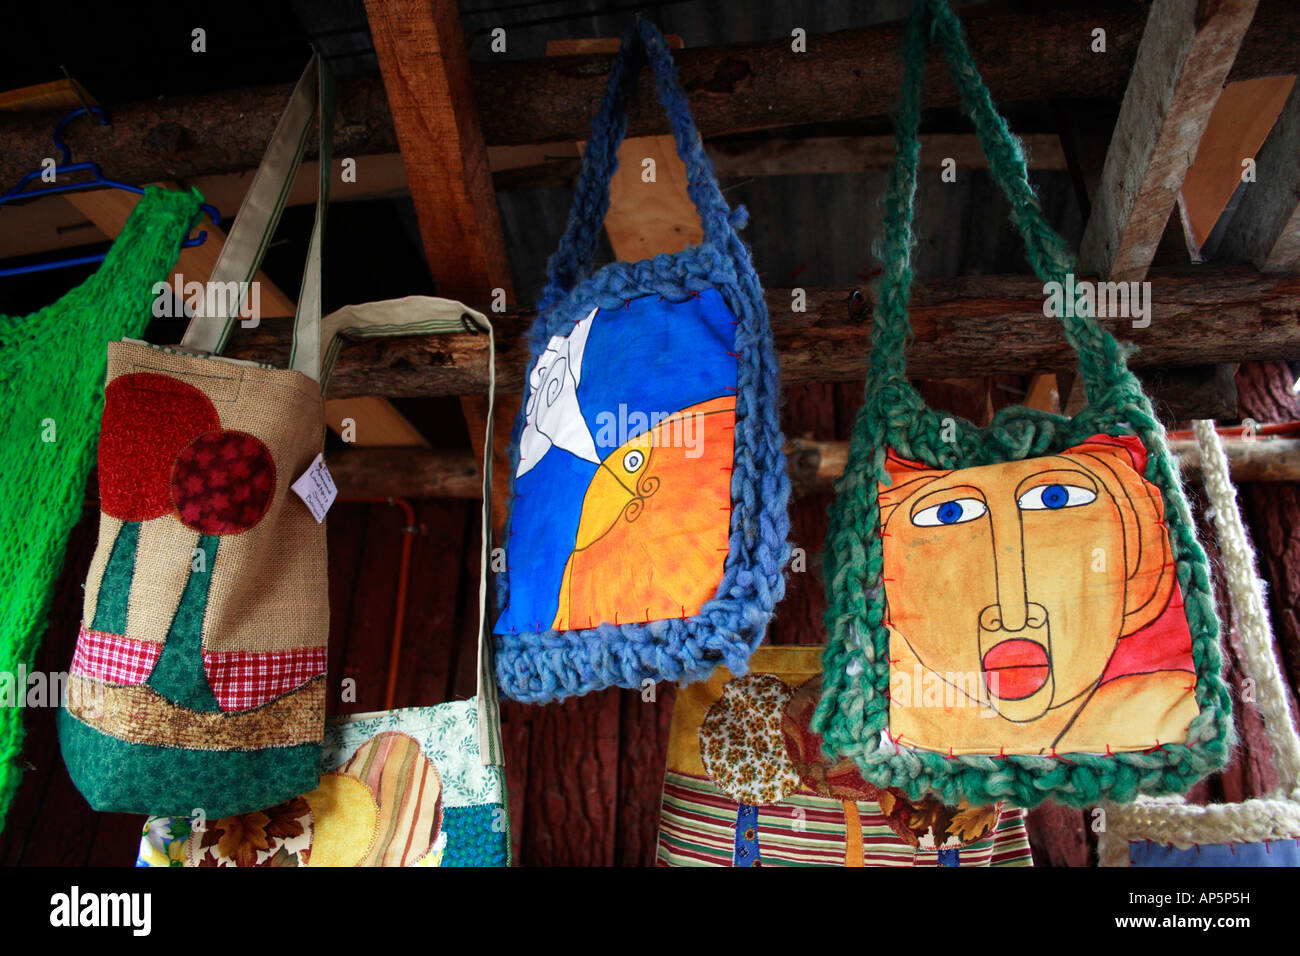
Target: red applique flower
(223, 482)
(148, 419)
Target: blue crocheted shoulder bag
(1019, 612)
(648, 514)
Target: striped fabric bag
(748, 785)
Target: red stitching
(1059, 757)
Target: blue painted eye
(1055, 497)
(957, 511)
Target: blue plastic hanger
(20, 192)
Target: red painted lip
(1021, 667)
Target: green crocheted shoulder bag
(1019, 612)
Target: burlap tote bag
(198, 680)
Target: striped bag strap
(259, 215)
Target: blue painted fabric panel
(638, 364)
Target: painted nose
(1011, 610)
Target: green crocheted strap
(853, 715)
(1101, 358)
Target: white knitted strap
(1249, 611)
(1275, 817)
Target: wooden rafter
(426, 72)
(1187, 50)
(1265, 228)
(813, 466)
(972, 325)
(848, 75)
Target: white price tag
(316, 488)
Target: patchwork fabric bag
(748, 785)
(198, 680)
(420, 786)
(648, 516)
(399, 788)
(1018, 612)
(1261, 832)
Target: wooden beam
(813, 466)
(406, 473)
(426, 71)
(968, 326)
(47, 224)
(848, 75)
(1238, 127)
(1265, 228)
(533, 167)
(425, 66)
(1187, 50)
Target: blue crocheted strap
(1103, 362)
(600, 158)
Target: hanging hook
(858, 307)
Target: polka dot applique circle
(223, 482)
(741, 742)
(148, 418)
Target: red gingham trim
(244, 679)
(113, 658)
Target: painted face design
(1013, 585)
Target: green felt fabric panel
(115, 588)
(117, 776)
(179, 674)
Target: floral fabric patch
(741, 742)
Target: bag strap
(1247, 596)
(259, 215)
(490, 748)
(1100, 357)
(425, 315)
(573, 256)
